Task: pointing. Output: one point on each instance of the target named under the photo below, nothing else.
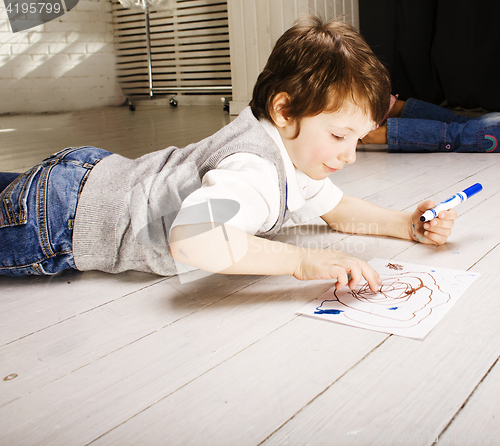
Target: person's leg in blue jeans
(37, 211)
(425, 127)
(417, 126)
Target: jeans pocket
(488, 138)
(13, 199)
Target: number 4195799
(33, 8)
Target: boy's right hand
(330, 264)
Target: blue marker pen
(451, 202)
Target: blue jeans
(37, 211)
(425, 127)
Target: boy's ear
(278, 109)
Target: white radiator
(189, 50)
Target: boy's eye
(338, 138)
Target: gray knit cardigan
(127, 206)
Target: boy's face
(326, 141)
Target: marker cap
(474, 189)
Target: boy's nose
(349, 156)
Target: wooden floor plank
(35, 303)
(478, 422)
(48, 354)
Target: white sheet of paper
(411, 302)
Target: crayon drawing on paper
(411, 301)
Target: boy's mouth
(330, 169)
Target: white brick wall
(66, 64)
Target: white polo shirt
(252, 182)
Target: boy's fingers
(437, 239)
(438, 234)
(357, 270)
(449, 215)
(341, 275)
(440, 226)
(374, 281)
(437, 230)
(426, 205)
(438, 223)
(371, 276)
(355, 277)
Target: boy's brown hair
(320, 65)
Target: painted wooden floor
(136, 359)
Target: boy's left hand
(435, 231)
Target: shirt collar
(296, 179)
